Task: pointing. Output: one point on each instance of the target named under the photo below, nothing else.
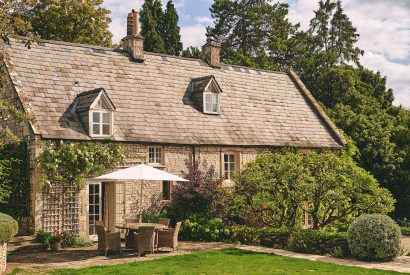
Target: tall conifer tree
(150, 19)
(171, 30)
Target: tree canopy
(71, 21)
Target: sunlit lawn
(228, 261)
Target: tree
(151, 17)
(275, 188)
(253, 32)
(202, 193)
(338, 189)
(193, 52)
(171, 30)
(71, 21)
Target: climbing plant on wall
(71, 162)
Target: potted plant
(55, 241)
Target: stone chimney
(134, 42)
(212, 53)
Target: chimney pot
(134, 42)
(212, 53)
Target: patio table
(133, 227)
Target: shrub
(319, 242)
(246, 235)
(197, 228)
(43, 236)
(8, 227)
(405, 231)
(277, 238)
(71, 240)
(374, 237)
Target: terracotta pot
(55, 246)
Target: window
(166, 190)
(155, 155)
(211, 105)
(101, 123)
(229, 165)
(307, 220)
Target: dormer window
(211, 103)
(205, 92)
(96, 111)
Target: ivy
(71, 162)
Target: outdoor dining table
(134, 227)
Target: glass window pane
(96, 117)
(96, 129)
(106, 118)
(232, 158)
(208, 107)
(215, 108)
(232, 166)
(106, 129)
(208, 98)
(225, 158)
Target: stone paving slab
(32, 259)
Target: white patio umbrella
(139, 173)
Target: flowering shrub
(196, 228)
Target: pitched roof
(257, 108)
(84, 100)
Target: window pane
(226, 158)
(96, 117)
(215, 108)
(232, 166)
(106, 129)
(208, 98)
(106, 118)
(96, 129)
(232, 158)
(208, 107)
(166, 185)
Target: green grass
(228, 261)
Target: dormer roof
(86, 100)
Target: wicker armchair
(145, 240)
(107, 240)
(169, 237)
(164, 221)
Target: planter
(55, 246)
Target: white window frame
(228, 172)
(156, 159)
(214, 101)
(101, 112)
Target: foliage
(71, 21)
(55, 237)
(273, 190)
(405, 231)
(43, 236)
(8, 227)
(193, 52)
(374, 237)
(71, 240)
(202, 193)
(253, 33)
(14, 183)
(198, 228)
(277, 238)
(337, 189)
(171, 30)
(71, 162)
(318, 242)
(246, 235)
(224, 261)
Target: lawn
(228, 261)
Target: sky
(383, 25)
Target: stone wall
(3, 258)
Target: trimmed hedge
(319, 242)
(277, 238)
(405, 231)
(374, 237)
(8, 227)
(247, 235)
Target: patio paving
(32, 258)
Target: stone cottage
(165, 108)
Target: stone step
(22, 240)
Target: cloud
(204, 19)
(193, 35)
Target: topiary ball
(8, 227)
(374, 237)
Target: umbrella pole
(140, 218)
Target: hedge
(277, 238)
(405, 231)
(319, 242)
(8, 227)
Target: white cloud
(193, 35)
(204, 19)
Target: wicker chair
(164, 221)
(145, 240)
(107, 240)
(132, 220)
(169, 237)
